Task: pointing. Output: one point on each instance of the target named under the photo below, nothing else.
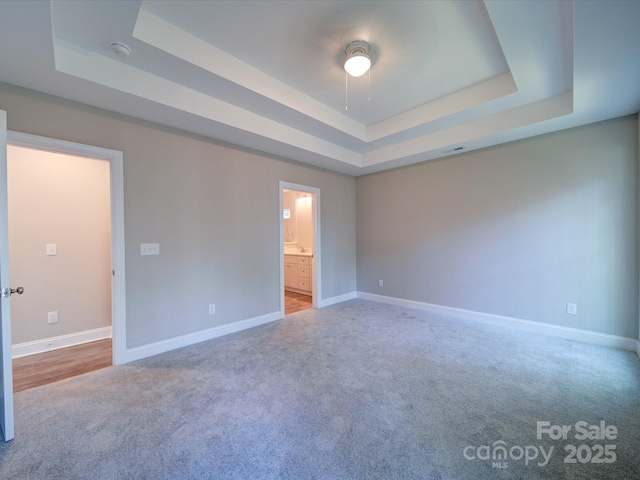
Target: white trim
(163, 346)
(337, 299)
(316, 270)
(115, 159)
(62, 341)
(638, 347)
(6, 372)
(587, 336)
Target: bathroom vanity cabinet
(297, 273)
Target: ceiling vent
(453, 150)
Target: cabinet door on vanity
(290, 271)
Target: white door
(6, 385)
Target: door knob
(7, 292)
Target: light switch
(149, 249)
(52, 249)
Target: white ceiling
(267, 75)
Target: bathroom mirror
(298, 228)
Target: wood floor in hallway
(48, 367)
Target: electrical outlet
(380, 283)
(52, 317)
(149, 249)
(52, 249)
(572, 309)
(212, 309)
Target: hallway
(44, 368)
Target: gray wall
(516, 230)
(64, 200)
(213, 209)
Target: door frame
(115, 159)
(316, 269)
(6, 363)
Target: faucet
(301, 249)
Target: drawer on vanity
(304, 261)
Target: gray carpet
(359, 390)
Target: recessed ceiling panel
(422, 50)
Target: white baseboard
(54, 343)
(337, 299)
(638, 347)
(163, 346)
(587, 336)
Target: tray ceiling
(267, 75)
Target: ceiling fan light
(357, 65)
(357, 61)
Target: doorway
(299, 247)
(60, 251)
(107, 243)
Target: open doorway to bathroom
(299, 229)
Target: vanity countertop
(299, 254)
